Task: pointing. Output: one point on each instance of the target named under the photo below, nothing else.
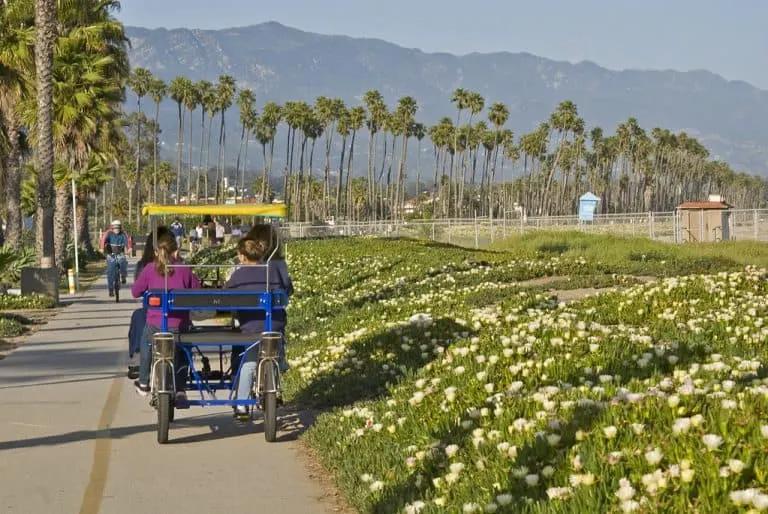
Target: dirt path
(575, 294)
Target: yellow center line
(97, 482)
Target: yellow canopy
(241, 209)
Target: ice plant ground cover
(450, 388)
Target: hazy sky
(729, 38)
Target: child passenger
(153, 276)
(254, 251)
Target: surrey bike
(116, 260)
(202, 342)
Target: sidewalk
(74, 436)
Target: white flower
(673, 401)
(547, 471)
(610, 432)
(735, 465)
(469, 508)
(712, 441)
(638, 428)
(553, 439)
(629, 506)
(366, 478)
(557, 493)
(682, 425)
(686, 475)
(743, 497)
(456, 467)
(764, 430)
(760, 501)
(653, 457)
(451, 450)
(378, 485)
(532, 480)
(504, 499)
(625, 491)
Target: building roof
(704, 205)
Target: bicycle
(114, 257)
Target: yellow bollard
(71, 277)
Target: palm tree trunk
(200, 157)
(189, 156)
(180, 142)
(219, 167)
(265, 176)
(138, 161)
(239, 154)
(45, 34)
(245, 166)
(13, 187)
(154, 152)
(62, 224)
(340, 177)
(348, 208)
(208, 155)
(81, 215)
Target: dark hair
(166, 246)
(270, 236)
(252, 249)
(149, 247)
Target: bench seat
(223, 335)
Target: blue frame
(268, 302)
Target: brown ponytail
(166, 247)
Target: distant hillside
(280, 63)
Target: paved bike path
(76, 438)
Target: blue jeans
(248, 371)
(111, 263)
(180, 363)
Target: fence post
(433, 230)
(477, 242)
(755, 220)
(650, 225)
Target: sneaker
(124, 281)
(180, 401)
(142, 389)
(133, 372)
(111, 293)
(241, 413)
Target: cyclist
(114, 243)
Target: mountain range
(280, 63)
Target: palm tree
(16, 64)
(208, 98)
(45, 38)
(404, 114)
(140, 81)
(356, 119)
(342, 127)
(177, 90)
(374, 102)
(225, 91)
(266, 131)
(246, 100)
(157, 91)
(191, 101)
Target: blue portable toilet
(587, 206)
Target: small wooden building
(705, 221)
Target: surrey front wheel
(269, 399)
(164, 415)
